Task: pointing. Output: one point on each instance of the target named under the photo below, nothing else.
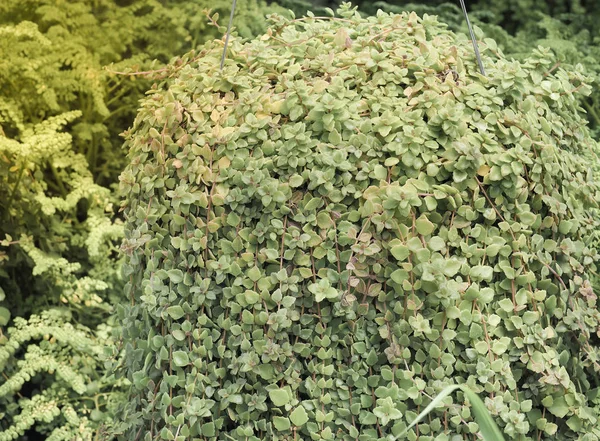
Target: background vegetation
(71, 75)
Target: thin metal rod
(475, 47)
(228, 32)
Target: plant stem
(14, 190)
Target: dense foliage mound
(349, 218)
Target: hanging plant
(348, 219)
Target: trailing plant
(487, 426)
(348, 219)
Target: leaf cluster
(567, 27)
(72, 400)
(348, 219)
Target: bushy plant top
(567, 27)
(349, 218)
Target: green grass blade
(434, 403)
(488, 428)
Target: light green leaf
(451, 267)
(400, 252)
(296, 181)
(281, 423)
(399, 276)
(4, 316)
(254, 274)
(180, 358)
(279, 397)
(559, 407)
(436, 243)
(424, 226)
(233, 219)
(175, 311)
(176, 275)
(313, 204)
(251, 297)
(299, 416)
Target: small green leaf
(176, 275)
(208, 429)
(559, 407)
(254, 274)
(175, 311)
(296, 181)
(313, 204)
(436, 243)
(324, 220)
(180, 358)
(527, 218)
(334, 137)
(247, 317)
(4, 316)
(399, 276)
(565, 226)
(400, 252)
(251, 297)
(451, 267)
(279, 397)
(271, 253)
(299, 416)
(482, 272)
(233, 219)
(506, 305)
(424, 226)
(281, 423)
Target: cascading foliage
(349, 218)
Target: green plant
(58, 246)
(58, 53)
(70, 405)
(348, 219)
(57, 249)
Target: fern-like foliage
(56, 54)
(66, 402)
(57, 248)
(45, 187)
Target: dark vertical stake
(475, 47)
(228, 32)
